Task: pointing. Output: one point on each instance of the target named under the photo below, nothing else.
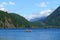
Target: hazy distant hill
(52, 21)
(12, 20)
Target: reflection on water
(36, 34)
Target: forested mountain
(12, 20)
(52, 21)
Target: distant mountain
(37, 19)
(40, 16)
(52, 21)
(12, 20)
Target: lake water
(36, 34)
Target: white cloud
(41, 14)
(3, 9)
(12, 3)
(45, 12)
(3, 4)
(43, 4)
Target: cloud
(3, 4)
(43, 13)
(43, 4)
(12, 3)
(4, 9)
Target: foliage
(7, 19)
(52, 21)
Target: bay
(35, 34)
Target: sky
(29, 8)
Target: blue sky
(29, 8)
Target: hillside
(52, 21)
(12, 20)
(19, 21)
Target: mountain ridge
(12, 20)
(51, 21)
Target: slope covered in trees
(12, 20)
(52, 21)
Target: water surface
(36, 34)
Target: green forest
(13, 20)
